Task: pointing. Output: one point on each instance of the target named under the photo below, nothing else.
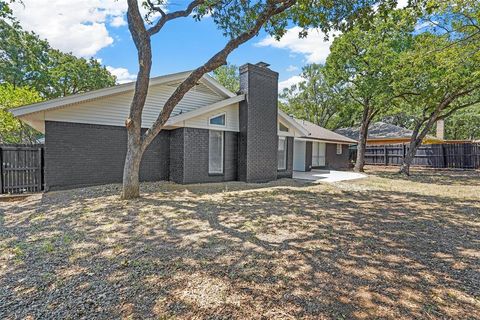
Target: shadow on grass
(429, 176)
(239, 251)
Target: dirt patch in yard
(364, 249)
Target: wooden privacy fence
(455, 155)
(21, 168)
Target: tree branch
(217, 60)
(155, 8)
(172, 15)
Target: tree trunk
(412, 151)
(131, 169)
(415, 142)
(362, 141)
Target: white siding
(292, 131)
(202, 121)
(114, 110)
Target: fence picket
(21, 168)
(448, 155)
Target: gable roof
(215, 106)
(291, 121)
(206, 80)
(378, 130)
(319, 133)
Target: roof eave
(117, 89)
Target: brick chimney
(258, 113)
(441, 129)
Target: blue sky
(98, 28)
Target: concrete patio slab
(327, 175)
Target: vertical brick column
(258, 113)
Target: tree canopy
(11, 129)
(27, 60)
(31, 70)
(315, 99)
(228, 76)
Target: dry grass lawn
(383, 247)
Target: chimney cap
(262, 64)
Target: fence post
(1, 170)
(39, 171)
(445, 158)
(385, 155)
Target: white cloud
(314, 46)
(78, 26)
(118, 21)
(122, 74)
(292, 68)
(289, 82)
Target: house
(213, 135)
(381, 133)
(316, 147)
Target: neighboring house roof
(382, 131)
(378, 130)
(319, 133)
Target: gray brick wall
(189, 156)
(334, 161)
(177, 155)
(289, 171)
(85, 154)
(258, 114)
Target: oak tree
(315, 99)
(28, 60)
(239, 21)
(361, 63)
(437, 77)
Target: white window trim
(218, 125)
(285, 143)
(222, 153)
(341, 148)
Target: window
(318, 154)
(218, 120)
(215, 152)
(282, 153)
(282, 127)
(339, 148)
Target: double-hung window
(339, 148)
(282, 153)
(215, 152)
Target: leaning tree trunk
(131, 171)
(133, 124)
(415, 142)
(412, 151)
(362, 142)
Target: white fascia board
(217, 105)
(92, 95)
(285, 134)
(325, 141)
(292, 122)
(213, 84)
